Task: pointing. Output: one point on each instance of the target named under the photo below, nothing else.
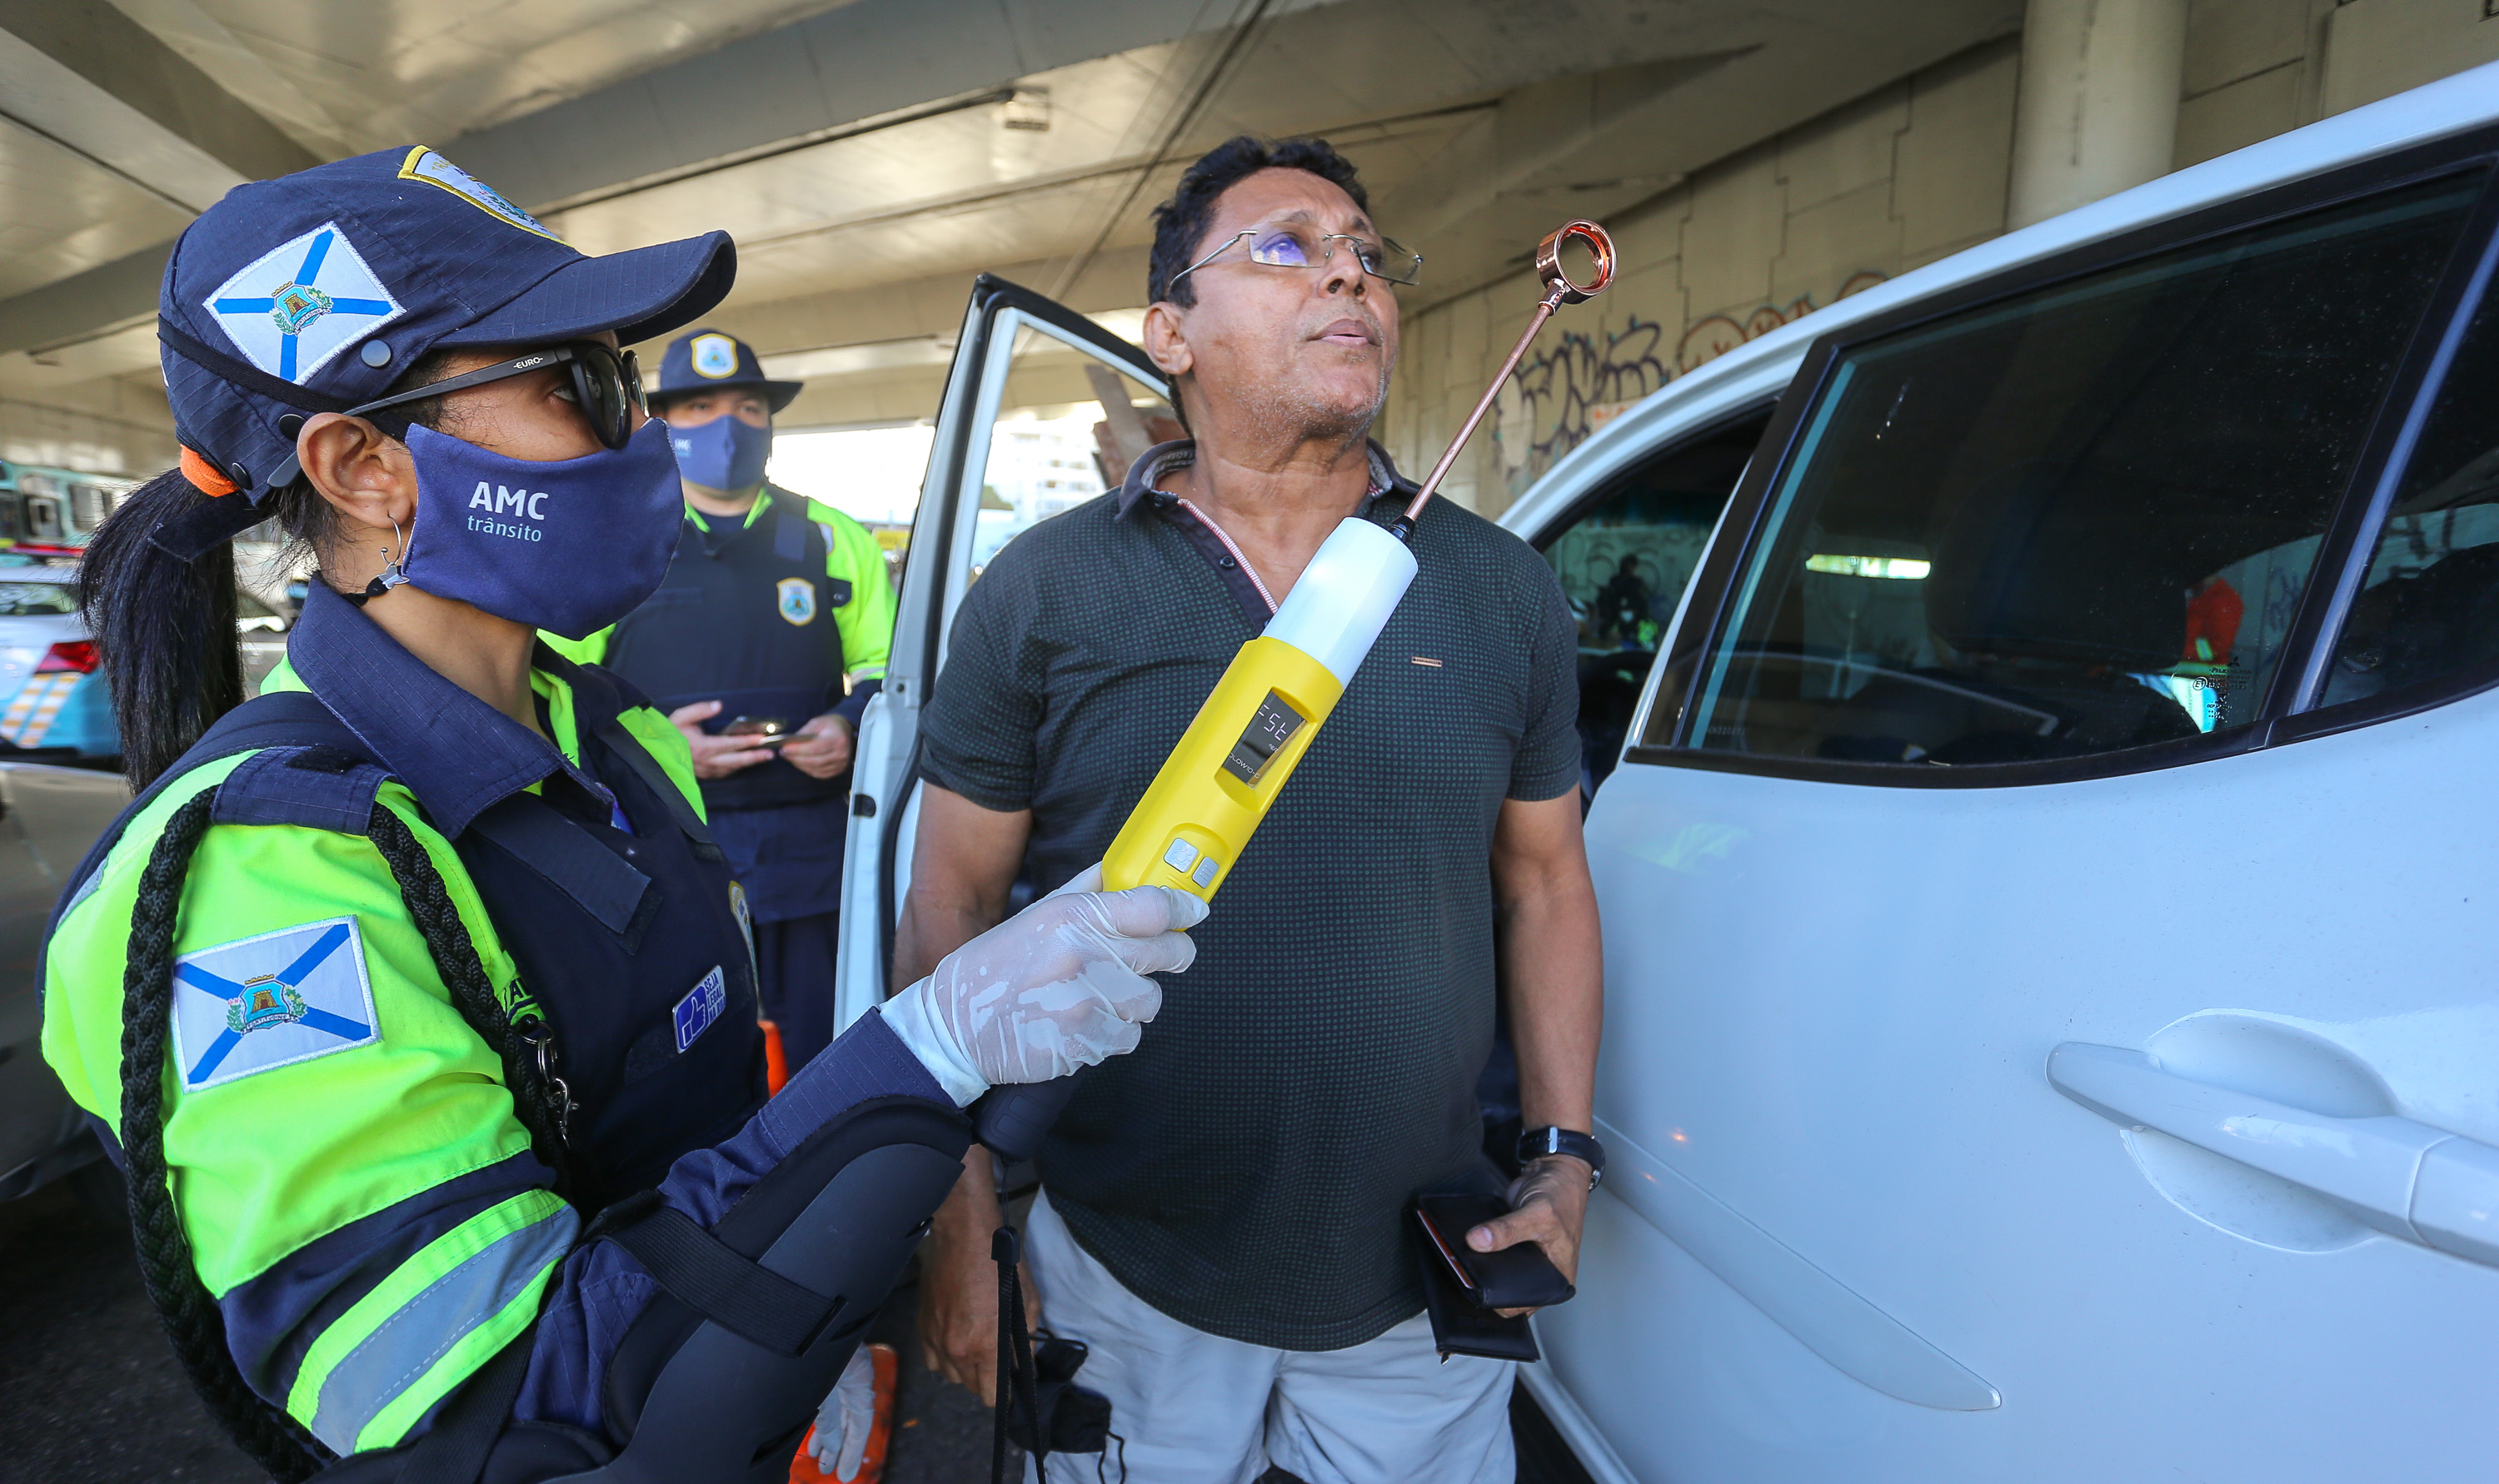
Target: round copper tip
(1557, 279)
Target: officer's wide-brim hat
(316, 292)
(710, 361)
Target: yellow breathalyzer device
(1198, 815)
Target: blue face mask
(723, 453)
(570, 547)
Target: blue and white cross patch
(701, 1006)
(283, 997)
(301, 304)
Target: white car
(2048, 882)
(2047, 1035)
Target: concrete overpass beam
(2099, 107)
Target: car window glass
(25, 599)
(2430, 605)
(1067, 429)
(1623, 562)
(2080, 519)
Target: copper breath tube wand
(1559, 290)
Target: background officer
(773, 624)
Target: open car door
(1043, 410)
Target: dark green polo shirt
(1246, 1169)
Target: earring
(394, 570)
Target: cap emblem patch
(715, 356)
(301, 304)
(423, 164)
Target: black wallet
(1460, 1325)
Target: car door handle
(2405, 1178)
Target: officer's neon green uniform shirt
(402, 1132)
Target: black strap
(1016, 1379)
(656, 779)
(706, 1274)
(244, 374)
(533, 832)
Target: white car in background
(2047, 878)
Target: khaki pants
(1190, 1407)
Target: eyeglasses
(606, 384)
(1290, 246)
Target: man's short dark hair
(1181, 223)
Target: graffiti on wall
(1549, 404)
(1575, 385)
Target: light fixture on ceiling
(1029, 110)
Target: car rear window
(2078, 520)
(22, 600)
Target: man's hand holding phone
(716, 756)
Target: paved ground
(94, 1394)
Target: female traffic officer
(398, 976)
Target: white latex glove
(848, 1415)
(1059, 985)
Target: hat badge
(295, 306)
(715, 356)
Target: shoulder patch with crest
(259, 1003)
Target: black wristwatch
(1537, 1142)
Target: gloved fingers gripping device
(1196, 818)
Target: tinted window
(20, 599)
(2078, 520)
(2430, 603)
(1624, 563)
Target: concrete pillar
(2098, 105)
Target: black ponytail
(163, 627)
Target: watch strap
(1538, 1143)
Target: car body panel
(49, 818)
(1847, 1208)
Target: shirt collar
(1163, 460)
(454, 752)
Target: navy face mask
(570, 547)
(723, 453)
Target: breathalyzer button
(1181, 855)
(1204, 875)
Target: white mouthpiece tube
(1335, 611)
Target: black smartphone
(1520, 1277)
(759, 730)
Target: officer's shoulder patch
(272, 1001)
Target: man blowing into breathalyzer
(1223, 1219)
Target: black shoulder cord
(190, 1317)
(1017, 1381)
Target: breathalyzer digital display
(1269, 731)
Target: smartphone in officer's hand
(759, 730)
(1519, 1277)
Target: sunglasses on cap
(606, 385)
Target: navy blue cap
(315, 291)
(706, 361)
